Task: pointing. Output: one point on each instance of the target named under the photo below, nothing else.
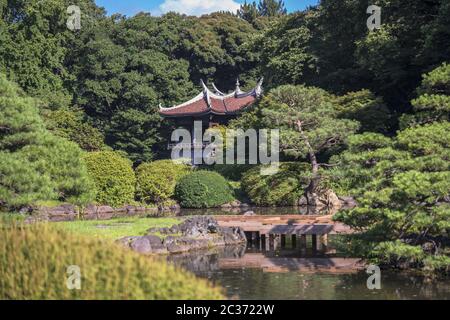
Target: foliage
(395, 56)
(364, 107)
(35, 165)
(309, 123)
(203, 189)
(113, 176)
(281, 189)
(433, 102)
(264, 8)
(402, 187)
(70, 124)
(232, 172)
(155, 181)
(37, 258)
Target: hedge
(155, 181)
(203, 189)
(113, 176)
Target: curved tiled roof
(217, 103)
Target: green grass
(116, 228)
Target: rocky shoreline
(194, 233)
(69, 212)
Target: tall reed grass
(34, 261)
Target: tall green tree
(34, 164)
(402, 186)
(309, 126)
(272, 8)
(249, 12)
(433, 101)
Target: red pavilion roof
(218, 103)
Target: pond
(250, 273)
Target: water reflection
(251, 273)
(304, 210)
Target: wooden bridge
(271, 231)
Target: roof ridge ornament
(259, 89)
(206, 94)
(238, 88)
(220, 93)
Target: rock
(156, 244)
(332, 200)
(90, 211)
(226, 206)
(121, 209)
(249, 213)
(126, 241)
(26, 210)
(349, 202)
(302, 201)
(141, 245)
(174, 229)
(104, 209)
(235, 203)
(198, 232)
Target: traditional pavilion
(212, 107)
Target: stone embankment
(69, 212)
(194, 233)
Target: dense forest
(374, 105)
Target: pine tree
(248, 12)
(272, 8)
(34, 164)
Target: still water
(250, 273)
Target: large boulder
(198, 232)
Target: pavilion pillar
(293, 240)
(323, 240)
(271, 241)
(283, 241)
(302, 241)
(263, 242)
(314, 241)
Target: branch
(329, 164)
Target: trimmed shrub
(36, 259)
(284, 188)
(155, 181)
(113, 176)
(203, 189)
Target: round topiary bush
(203, 189)
(40, 260)
(155, 181)
(113, 176)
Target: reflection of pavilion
(283, 264)
(211, 108)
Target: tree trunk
(310, 192)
